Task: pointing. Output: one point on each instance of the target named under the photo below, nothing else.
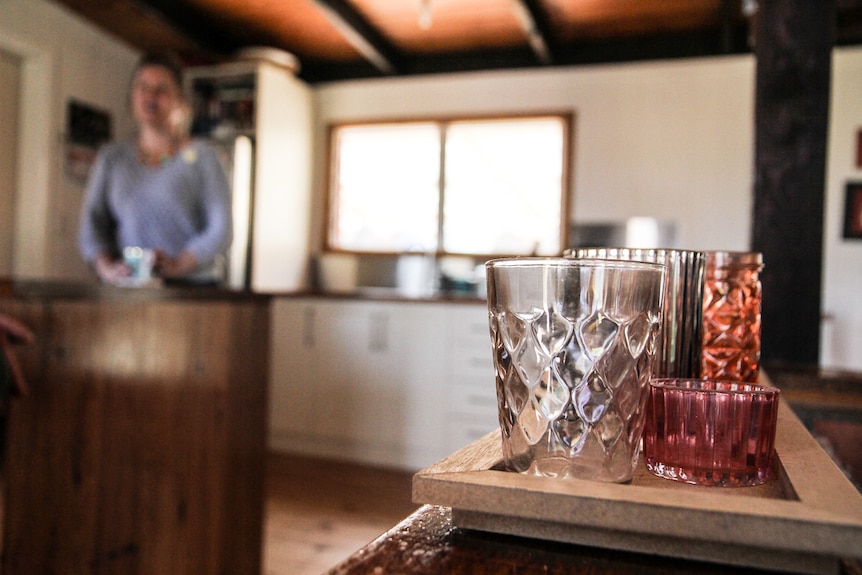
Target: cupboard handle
(378, 340)
(308, 321)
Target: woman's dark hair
(166, 61)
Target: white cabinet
(273, 107)
(470, 388)
(359, 380)
(293, 370)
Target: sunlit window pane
(503, 185)
(386, 191)
(502, 192)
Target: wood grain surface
(427, 543)
(140, 448)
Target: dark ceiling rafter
(731, 13)
(364, 37)
(197, 26)
(202, 33)
(536, 24)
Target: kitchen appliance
(640, 232)
(236, 155)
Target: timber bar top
(49, 290)
(427, 543)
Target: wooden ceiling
(342, 39)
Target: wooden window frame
(568, 120)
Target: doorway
(10, 80)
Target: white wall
(649, 138)
(842, 272)
(63, 57)
(671, 140)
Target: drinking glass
(140, 262)
(574, 343)
(682, 322)
(710, 432)
(731, 316)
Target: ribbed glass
(710, 432)
(682, 321)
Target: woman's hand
(110, 270)
(15, 331)
(182, 265)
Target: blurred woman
(160, 190)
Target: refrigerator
(236, 155)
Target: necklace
(152, 159)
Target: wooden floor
(319, 512)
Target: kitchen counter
(57, 290)
(140, 445)
(386, 294)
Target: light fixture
(425, 14)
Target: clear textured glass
(731, 316)
(574, 345)
(710, 432)
(682, 318)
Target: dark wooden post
(794, 40)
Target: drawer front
(471, 395)
(461, 431)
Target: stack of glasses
(605, 345)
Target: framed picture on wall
(853, 211)
(87, 128)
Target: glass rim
(727, 258)
(635, 252)
(713, 386)
(529, 262)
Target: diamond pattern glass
(574, 345)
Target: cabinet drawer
(469, 331)
(475, 361)
(461, 433)
(472, 396)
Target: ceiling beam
(193, 24)
(536, 24)
(364, 37)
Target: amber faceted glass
(731, 316)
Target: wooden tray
(807, 517)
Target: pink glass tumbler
(710, 432)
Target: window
(477, 186)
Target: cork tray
(804, 519)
